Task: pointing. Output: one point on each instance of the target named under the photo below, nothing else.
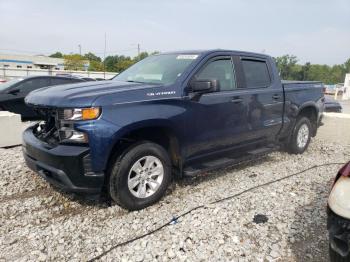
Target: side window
(32, 84)
(24, 86)
(62, 81)
(256, 73)
(57, 81)
(221, 70)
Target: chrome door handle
(237, 100)
(275, 97)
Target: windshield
(157, 69)
(8, 84)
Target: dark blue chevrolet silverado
(170, 114)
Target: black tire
(335, 257)
(293, 146)
(118, 188)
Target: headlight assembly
(81, 113)
(70, 135)
(66, 119)
(339, 198)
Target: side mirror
(13, 91)
(204, 86)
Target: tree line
(288, 66)
(115, 63)
(290, 69)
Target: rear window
(256, 73)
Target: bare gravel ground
(38, 223)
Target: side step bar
(226, 161)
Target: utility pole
(104, 58)
(79, 49)
(138, 50)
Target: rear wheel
(140, 176)
(300, 137)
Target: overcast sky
(314, 30)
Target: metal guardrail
(11, 72)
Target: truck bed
(301, 84)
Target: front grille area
(47, 130)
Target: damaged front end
(59, 152)
(48, 129)
(58, 126)
(338, 223)
(339, 233)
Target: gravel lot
(39, 223)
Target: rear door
(263, 96)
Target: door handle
(276, 96)
(236, 99)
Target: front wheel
(301, 136)
(140, 176)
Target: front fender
(117, 121)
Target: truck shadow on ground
(308, 237)
(103, 201)
(221, 172)
(98, 200)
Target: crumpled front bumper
(65, 166)
(339, 233)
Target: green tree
(110, 63)
(289, 69)
(74, 62)
(285, 65)
(124, 64)
(92, 57)
(141, 56)
(305, 69)
(346, 66)
(56, 55)
(95, 66)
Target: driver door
(215, 118)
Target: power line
(175, 218)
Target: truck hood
(81, 94)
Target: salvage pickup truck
(176, 113)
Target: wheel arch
(160, 132)
(310, 111)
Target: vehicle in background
(100, 79)
(13, 92)
(331, 89)
(88, 79)
(176, 113)
(332, 105)
(338, 223)
(78, 76)
(2, 81)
